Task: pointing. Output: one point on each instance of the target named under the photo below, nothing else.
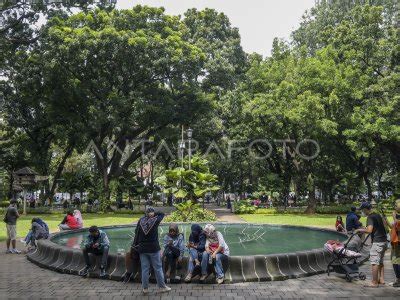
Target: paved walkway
(224, 214)
(20, 279)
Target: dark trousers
(396, 269)
(171, 254)
(103, 252)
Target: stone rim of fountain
(250, 268)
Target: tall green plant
(189, 184)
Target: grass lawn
(52, 220)
(317, 220)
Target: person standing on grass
(147, 245)
(10, 219)
(376, 227)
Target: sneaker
(145, 291)
(165, 289)
(188, 278)
(8, 251)
(203, 278)
(84, 272)
(396, 284)
(220, 280)
(15, 251)
(103, 273)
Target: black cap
(353, 208)
(365, 205)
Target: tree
(226, 61)
(120, 94)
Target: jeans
(396, 269)
(217, 264)
(153, 259)
(193, 255)
(103, 252)
(30, 238)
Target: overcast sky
(259, 21)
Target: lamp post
(182, 148)
(190, 134)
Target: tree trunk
(312, 202)
(368, 184)
(10, 186)
(60, 169)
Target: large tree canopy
(106, 78)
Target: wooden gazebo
(25, 178)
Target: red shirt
(72, 222)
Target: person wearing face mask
(376, 227)
(147, 245)
(174, 248)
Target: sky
(259, 21)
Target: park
(199, 149)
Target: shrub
(336, 209)
(244, 207)
(5, 203)
(125, 211)
(339, 209)
(190, 212)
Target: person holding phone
(196, 247)
(97, 243)
(174, 248)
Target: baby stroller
(346, 258)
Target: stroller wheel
(362, 276)
(348, 278)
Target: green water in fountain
(242, 239)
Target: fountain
(258, 252)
